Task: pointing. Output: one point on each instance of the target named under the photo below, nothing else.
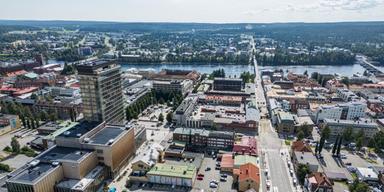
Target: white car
(212, 185)
(268, 184)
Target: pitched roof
(321, 179)
(249, 171)
(300, 146)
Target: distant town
(89, 106)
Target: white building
(366, 174)
(182, 86)
(346, 94)
(347, 111)
(338, 127)
(327, 112)
(353, 110)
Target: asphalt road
(271, 147)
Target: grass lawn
(287, 142)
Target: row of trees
(136, 108)
(198, 58)
(247, 77)
(217, 73)
(29, 120)
(68, 69)
(172, 99)
(324, 58)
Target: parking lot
(332, 164)
(211, 175)
(24, 137)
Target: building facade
(101, 91)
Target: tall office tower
(101, 91)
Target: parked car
(268, 183)
(200, 175)
(207, 169)
(212, 185)
(223, 179)
(200, 178)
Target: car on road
(268, 183)
(266, 171)
(212, 185)
(291, 172)
(224, 175)
(294, 181)
(223, 179)
(215, 182)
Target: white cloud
(354, 5)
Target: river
(347, 70)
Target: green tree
(300, 135)
(358, 186)
(348, 134)
(335, 145)
(161, 117)
(321, 144)
(339, 146)
(302, 171)
(169, 117)
(359, 143)
(345, 81)
(326, 133)
(15, 145)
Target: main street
(274, 154)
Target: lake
(347, 70)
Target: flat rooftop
(106, 134)
(33, 173)
(173, 170)
(79, 129)
(63, 153)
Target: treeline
(324, 58)
(68, 55)
(28, 118)
(376, 53)
(247, 77)
(234, 59)
(217, 73)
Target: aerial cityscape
(200, 96)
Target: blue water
(232, 70)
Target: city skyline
(199, 11)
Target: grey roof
(63, 153)
(33, 173)
(105, 135)
(79, 129)
(361, 123)
(306, 157)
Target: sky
(206, 11)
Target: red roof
(249, 171)
(300, 146)
(320, 179)
(227, 161)
(16, 73)
(247, 145)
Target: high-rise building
(101, 91)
